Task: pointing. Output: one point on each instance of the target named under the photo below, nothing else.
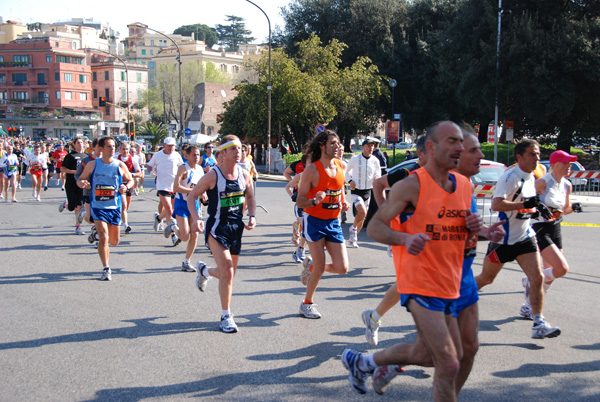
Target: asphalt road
(150, 335)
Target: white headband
(230, 144)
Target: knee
(470, 348)
(561, 270)
(448, 367)
(536, 280)
(114, 242)
(226, 274)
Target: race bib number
(332, 199)
(232, 200)
(12, 168)
(35, 168)
(104, 192)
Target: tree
(167, 76)
(156, 133)
(308, 90)
(235, 33)
(200, 31)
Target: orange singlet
(330, 207)
(436, 271)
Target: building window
(2, 78)
(21, 58)
(1, 59)
(151, 52)
(82, 78)
(108, 111)
(107, 94)
(68, 95)
(48, 58)
(151, 42)
(224, 68)
(139, 77)
(68, 77)
(123, 95)
(143, 52)
(123, 76)
(95, 93)
(57, 77)
(21, 95)
(83, 96)
(236, 69)
(57, 94)
(3, 96)
(94, 76)
(78, 60)
(63, 59)
(139, 95)
(19, 78)
(152, 65)
(106, 76)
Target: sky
(119, 13)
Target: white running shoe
(306, 271)
(176, 240)
(309, 310)
(201, 280)
(34, 194)
(296, 257)
(106, 275)
(227, 324)
(92, 237)
(1, 196)
(372, 327)
(157, 222)
(544, 330)
(187, 267)
(62, 206)
(168, 231)
(79, 232)
(526, 311)
(356, 376)
(38, 197)
(301, 253)
(383, 375)
(19, 186)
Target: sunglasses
(210, 147)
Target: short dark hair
(523, 145)
(103, 140)
(190, 149)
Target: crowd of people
(429, 219)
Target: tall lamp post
(392, 85)
(180, 92)
(126, 80)
(268, 93)
(497, 80)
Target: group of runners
(429, 219)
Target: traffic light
(102, 101)
(9, 129)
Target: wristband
(251, 216)
(313, 202)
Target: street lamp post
(126, 80)
(497, 80)
(180, 92)
(268, 93)
(393, 84)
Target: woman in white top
(554, 192)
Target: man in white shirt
(361, 171)
(165, 163)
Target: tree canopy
(233, 34)
(200, 31)
(309, 89)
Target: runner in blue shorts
(107, 178)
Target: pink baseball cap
(562, 156)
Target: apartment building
(10, 30)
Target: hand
(197, 225)
(345, 206)
(352, 184)
(544, 211)
(531, 202)
(251, 223)
(416, 243)
(122, 189)
(496, 232)
(474, 222)
(319, 197)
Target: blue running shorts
(314, 229)
(447, 306)
(110, 216)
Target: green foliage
(155, 133)
(291, 158)
(201, 32)
(233, 34)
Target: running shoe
(353, 238)
(526, 286)
(176, 240)
(136, 192)
(38, 197)
(19, 186)
(296, 257)
(106, 275)
(58, 182)
(34, 194)
(372, 327)
(1, 196)
(45, 188)
(62, 206)
(383, 375)
(526, 311)
(301, 253)
(92, 236)
(306, 271)
(14, 200)
(127, 229)
(309, 310)
(80, 216)
(227, 324)
(356, 376)
(168, 231)
(62, 188)
(186, 267)
(157, 222)
(201, 280)
(142, 189)
(79, 232)
(544, 330)
(389, 251)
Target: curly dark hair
(314, 147)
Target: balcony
(12, 64)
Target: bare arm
(250, 202)
(127, 179)
(287, 173)
(310, 178)
(503, 205)
(379, 186)
(567, 209)
(83, 179)
(293, 183)
(181, 175)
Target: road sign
(188, 131)
(491, 134)
(319, 128)
(393, 131)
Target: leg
(167, 208)
(183, 228)
(488, 273)
(468, 324)
(404, 354)
(88, 217)
(361, 214)
(531, 264)
(442, 339)
(225, 271)
(114, 235)
(124, 207)
(554, 258)
(390, 299)
(103, 250)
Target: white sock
(376, 317)
(366, 363)
(204, 272)
(187, 260)
(548, 277)
(226, 313)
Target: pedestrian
(228, 188)
(321, 196)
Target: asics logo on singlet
(452, 213)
